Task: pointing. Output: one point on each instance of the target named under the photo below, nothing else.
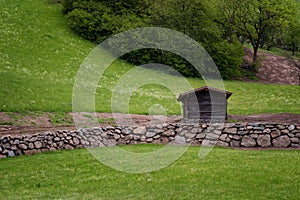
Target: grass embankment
(40, 57)
(223, 174)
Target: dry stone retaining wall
(249, 135)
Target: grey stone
(258, 128)
(109, 142)
(168, 133)
(204, 126)
(295, 140)
(150, 134)
(267, 130)
(222, 144)
(56, 139)
(284, 131)
(179, 140)
(128, 137)
(257, 132)
(117, 131)
(247, 141)
(10, 154)
(156, 137)
(126, 131)
(165, 140)
(7, 146)
(38, 144)
(140, 130)
(1, 149)
(13, 147)
(296, 131)
(254, 136)
(298, 135)
(218, 132)
(69, 147)
(230, 130)
(183, 132)
(236, 137)
(264, 140)
(149, 140)
(295, 145)
(22, 146)
(200, 136)
(208, 143)
(234, 143)
(143, 138)
(269, 126)
(291, 127)
(16, 142)
(196, 130)
(76, 141)
(110, 128)
(280, 127)
(190, 135)
(136, 137)
(223, 137)
(116, 136)
(275, 134)
(243, 132)
(282, 141)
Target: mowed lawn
(222, 174)
(40, 57)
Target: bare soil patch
(11, 125)
(275, 69)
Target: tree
(96, 20)
(195, 18)
(256, 19)
(292, 38)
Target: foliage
(222, 174)
(256, 20)
(292, 39)
(96, 20)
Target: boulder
(282, 141)
(247, 141)
(264, 140)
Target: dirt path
(34, 123)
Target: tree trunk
(255, 50)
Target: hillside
(40, 56)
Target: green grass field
(39, 60)
(40, 57)
(223, 174)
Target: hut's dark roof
(203, 89)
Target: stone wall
(231, 135)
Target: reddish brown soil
(107, 119)
(275, 69)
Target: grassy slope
(40, 56)
(223, 174)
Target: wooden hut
(205, 104)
